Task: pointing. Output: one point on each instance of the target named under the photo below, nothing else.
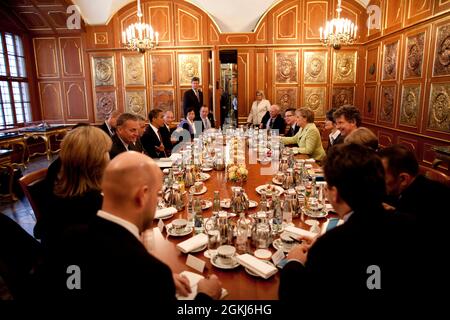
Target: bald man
(273, 120)
(120, 263)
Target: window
(15, 105)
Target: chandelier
(139, 36)
(338, 31)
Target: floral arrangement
(237, 173)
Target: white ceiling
(229, 15)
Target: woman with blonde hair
(259, 108)
(363, 136)
(76, 196)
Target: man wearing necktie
(151, 139)
(207, 118)
(193, 98)
(273, 120)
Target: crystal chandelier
(338, 31)
(139, 36)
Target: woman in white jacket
(259, 108)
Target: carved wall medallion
(390, 61)
(286, 67)
(315, 66)
(442, 52)
(135, 102)
(409, 110)
(342, 96)
(105, 104)
(414, 55)
(344, 69)
(189, 66)
(286, 98)
(103, 68)
(315, 99)
(163, 99)
(387, 103)
(439, 108)
(133, 70)
(372, 69)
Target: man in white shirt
(207, 118)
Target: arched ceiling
(229, 15)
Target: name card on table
(277, 257)
(195, 263)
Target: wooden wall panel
(46, 57)
(244, 95)
(189, 26)
(162, 69)
(316, 17)
(375, 19)
(261, 71)
(285, 23)
(51, 100)
(161, 19)
(394, 13)
(441, 5)
(71, 57)
(372, 63)
(418, 10)
(75, 101)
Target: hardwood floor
(20, 210)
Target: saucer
(206, 169)
(275, 181)
(200, 248)
(192, 190)
(278, 244)
(225, 203)
(276, 190)
(316, 214)
(203, 177)
(171, 232)
(250, 272)
(215, 262)
(206, 204)
(252, 204)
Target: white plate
(166, 217)
(252, 204)
(278, 244)
(203, 177)
(192, 190)
(317, 215)
(206, 204)
(264, 160)
(250, 272)
(171, 232)
(215, 262)
(226, 203)
(206, 169)
(279, 190)
(275, 181)
(200, 249)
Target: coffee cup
(225, 254)
(287, 241)
(198, 186)
(179, 225)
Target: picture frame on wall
(103, 71)
(189, 66)
(133, 70)
(286, 67)
(136, 102)
(315, 67)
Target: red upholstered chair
(33, 187)
(435, 175)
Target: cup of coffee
(179, 225)
(287, 241)
(225, 254)
(198, 186)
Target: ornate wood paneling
(189, 66)
(243, 82)
(418, 10)
(51, 100)
(103, 70)
(410, 106)
(438, 118)
(236, 38)
(133, 70)
(342, 95)
(71, 56)
(261, 71)
(261, 33)
(371, 71)
(189, 26)
(286, 67)
(213, 35)
(316, 16)
(441, 5)
(45, 50)
(375, 18)
(75, 101)
(344, 66)
(394, 12)
(315, 98)
(163, 99)
(286, 97)
(370, 103)
(315, 66)
(162, 69)
(285, 23)
(385, 139)
(391, 52)
(388, 101)
(136, 102)
(415, 57)
(411, 144)
(160, 18)
(105, 103)
(441, 66)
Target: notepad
(193, 243)
(194, 278)
(166, 212)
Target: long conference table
(239, 284)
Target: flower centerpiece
(237, 173)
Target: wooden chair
(33, 186)
(435, 175)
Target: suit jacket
(104, 127)
(292, 131)
(165, 134)
(149, 141)
(117, 146)
(339, 260)
(308, 141)
(278, 123)
(211, 119)
(190, 100)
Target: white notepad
(194, 278)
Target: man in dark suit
(371, 254)
(126, 135)
(347, 118)
(166, 132)
(206, 118)
(152, 139)
(335, 137)
(193, 98)
(291, 121)
(273, 120)
(130, 185)
(224, 105)
(109, 125)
